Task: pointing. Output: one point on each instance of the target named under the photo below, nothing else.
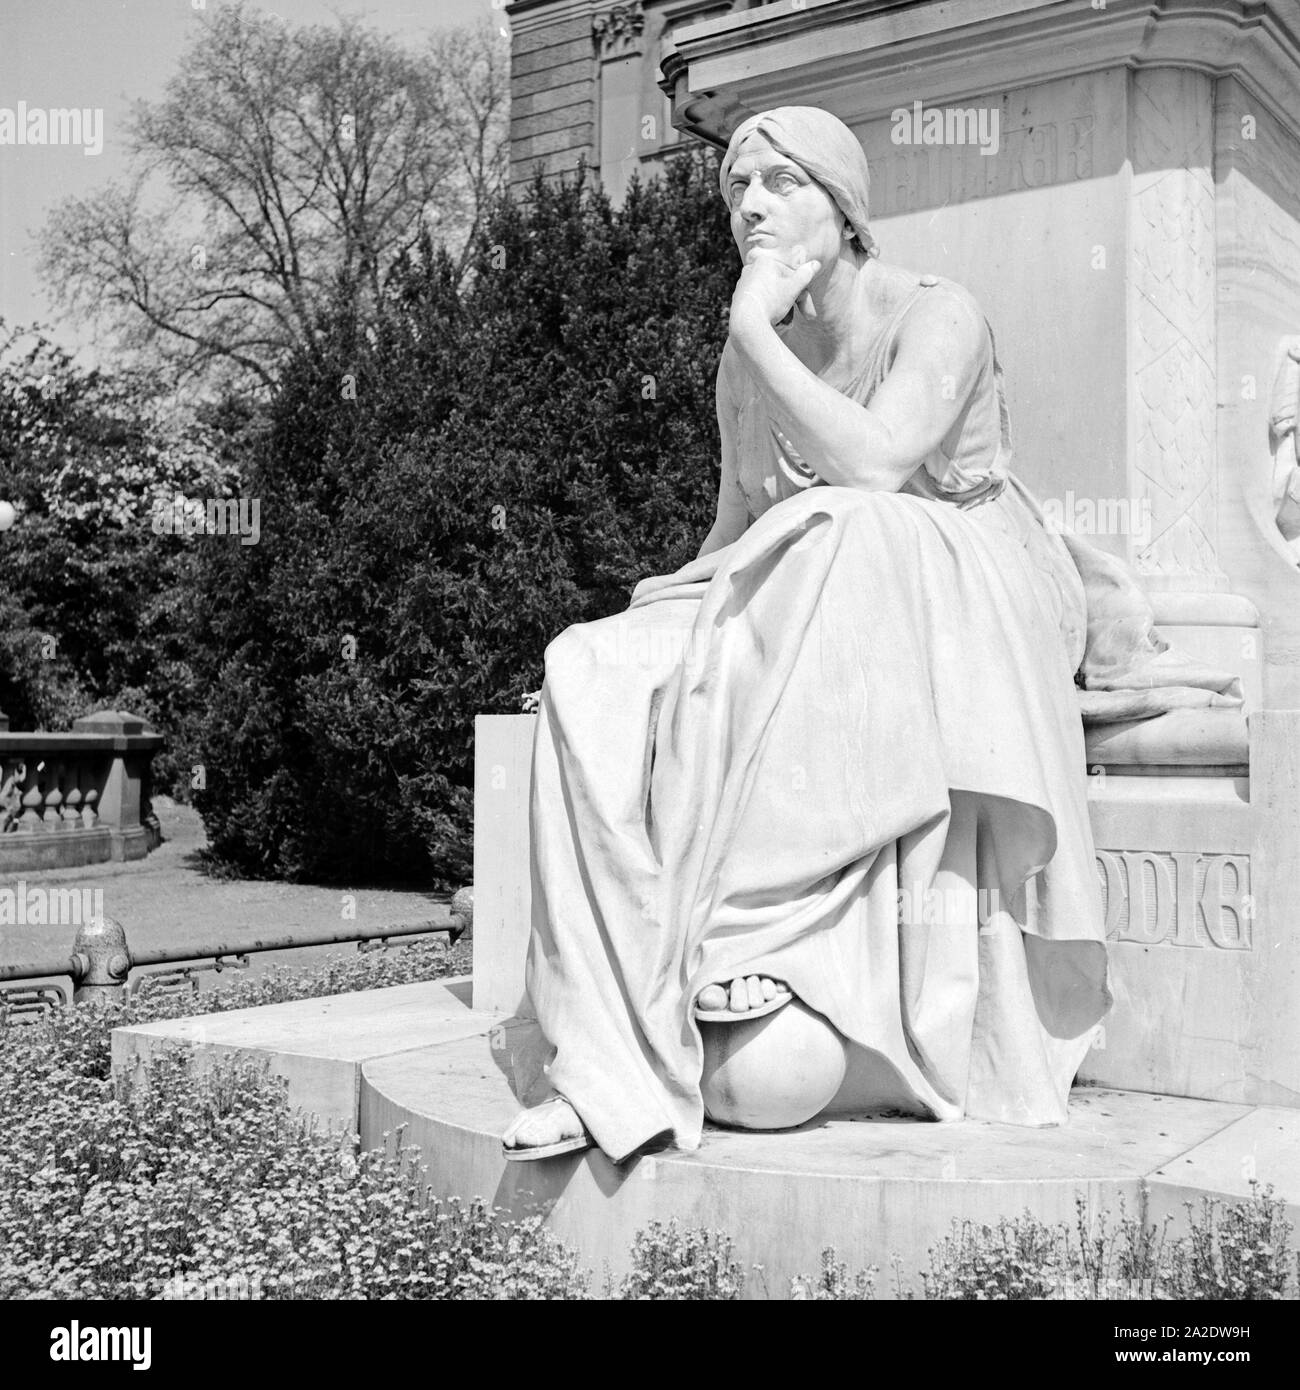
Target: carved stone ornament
(618, 31)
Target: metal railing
(101, 959)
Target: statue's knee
(565, 643)
(773, 1072)
(571, 651)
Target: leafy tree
(283, 166)
(442, 492)
(93, 596)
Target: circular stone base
(872, 1188)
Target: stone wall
(584, 85)
(1040, 222)
(552, 87)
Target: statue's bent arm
(732, 519)
(941, 349)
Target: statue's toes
(712, 997)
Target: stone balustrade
(68, 799)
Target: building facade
(585, 84)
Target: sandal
(526, 1153)
(768, 1006)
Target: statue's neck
(850, 310)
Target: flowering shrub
(95, 608)
(1020, 1259)
(670, 1263)
(1234, 1250)
(834, 1284)
(202, 1184)
(1238, 1251)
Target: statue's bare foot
(552, 1127)
(746, 993)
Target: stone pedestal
(123, 801)
(503, 749)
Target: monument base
(419, 1056)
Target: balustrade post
(30, 821)
(123, 799)
(462, 913)
(103, 961)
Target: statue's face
(778, 205)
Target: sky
(107, 54)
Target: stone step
(320, 1045)
(872, 1188)
(419, 1056)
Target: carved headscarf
(822, 145)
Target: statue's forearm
(713, 541)
(839, 438)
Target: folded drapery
(771, 763)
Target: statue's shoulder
(938, 293)
(943, 306)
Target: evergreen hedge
(443, 491)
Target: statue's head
(797, 176)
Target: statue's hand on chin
(768, 289)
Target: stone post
(103, 962)
(503, 889)
(125, 792)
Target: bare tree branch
(282, 169)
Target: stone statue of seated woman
(809, 827)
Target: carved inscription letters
(1172, 898)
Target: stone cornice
(528, 15)
(725, 68)
(531, 7)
